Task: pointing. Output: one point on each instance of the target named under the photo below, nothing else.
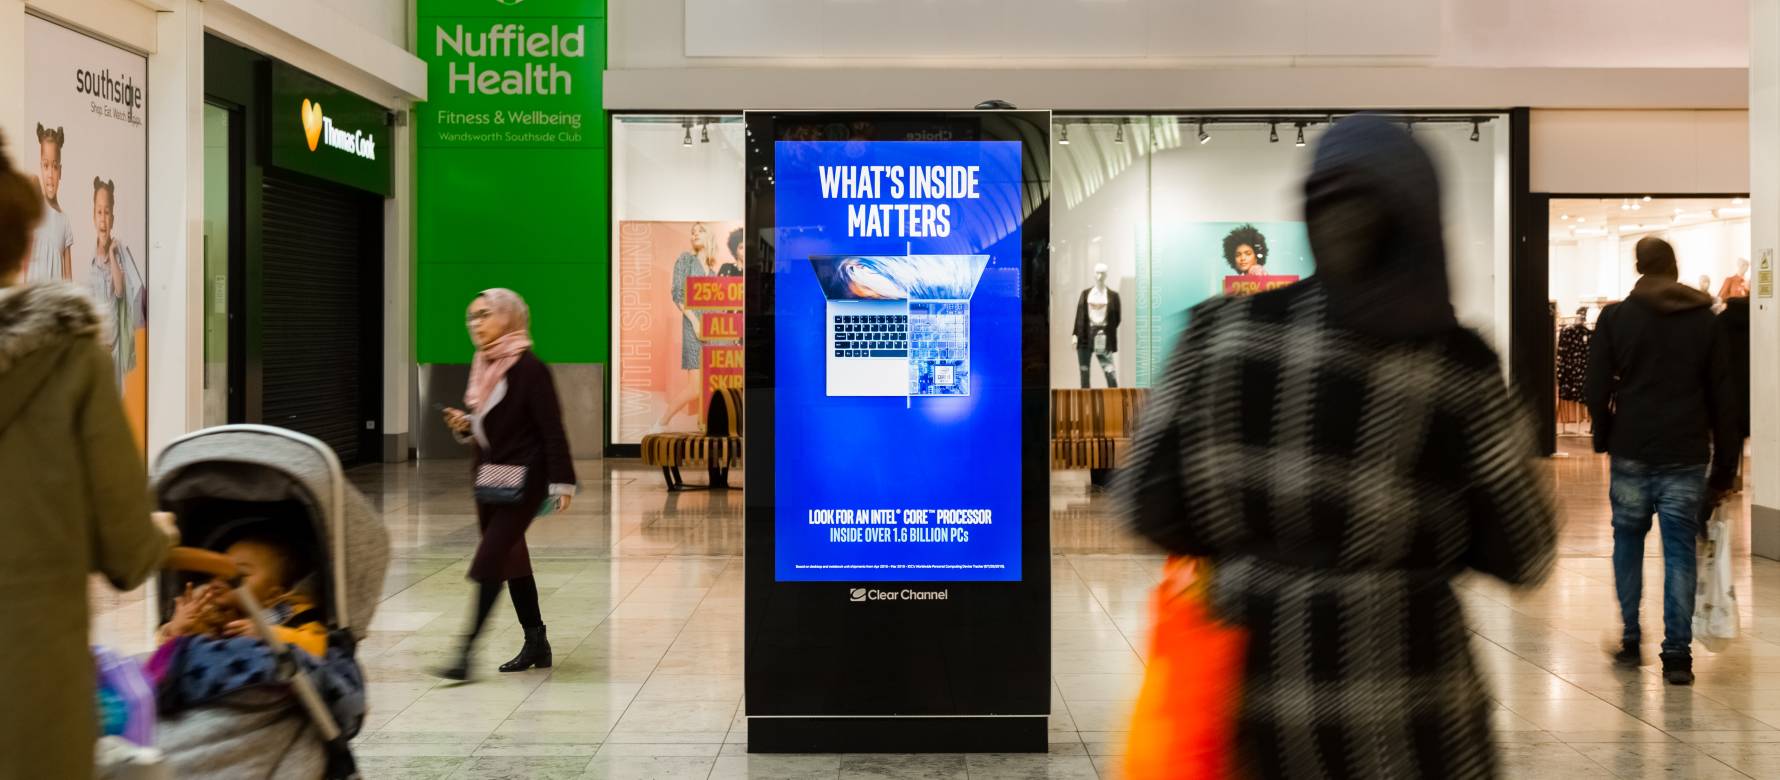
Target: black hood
(1401, 290)
(1664, 295)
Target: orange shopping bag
(1184, 727)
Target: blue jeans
(1673, 494)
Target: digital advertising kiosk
(897, 385)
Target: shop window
(1177, 209)
(1592, 264)
(677, 201)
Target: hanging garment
(1572, 361)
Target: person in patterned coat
(1340, 450)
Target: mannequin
(1737, 284)
(1097, 328)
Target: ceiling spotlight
(1646, 198)
(1119, 133)
(1203, 138)
(1580, 220)
(1736, 201)
(1272, 133)
(1476, 131)
(686, 139)
(1300, 141)
(704, 132)
(1564, 217)
(1063, 135)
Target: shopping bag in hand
(1715, 601)
(1184, 726)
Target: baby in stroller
(255, 674)
(275, 568)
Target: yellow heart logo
(312, 123)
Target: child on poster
(52, 247)
(116, 281)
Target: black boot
(458, 670)
(1678, 668)
(536, 652)
(1629, 656)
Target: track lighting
(1646, 198)
(686, 139)
(1300, 142)
(704, 132)
(1272, 132)
(1203, 138)
(1119, 133)
(1476, 132)
(1063, 135)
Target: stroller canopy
(257, 464)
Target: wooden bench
(1092, 429)
(718, 449)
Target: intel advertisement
(897, 361)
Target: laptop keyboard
(871, 335)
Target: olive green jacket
(73, 501)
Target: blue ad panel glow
(897, 361)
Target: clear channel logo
(906, 594)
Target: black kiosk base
(1027, 734)
(897, 372)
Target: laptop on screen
(898, 325)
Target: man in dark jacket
(1660, 391)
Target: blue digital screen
(897, 356)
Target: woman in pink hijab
(522, 467)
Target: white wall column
(176, 224)
(1764, 181)
(398, 323)
(12, 77)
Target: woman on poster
(52, 247)
(116, 281)
(1245, 249)
(700, 260)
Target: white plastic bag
(1715, 600)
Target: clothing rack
(1570, 339)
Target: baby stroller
(295, 720)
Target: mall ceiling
(1574, 219)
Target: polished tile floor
(642, 591)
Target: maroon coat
(522, 421)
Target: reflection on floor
(642, 591)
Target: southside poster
(85, 102)
(897, 361)
(668, 319)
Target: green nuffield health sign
(512, 172)
(509, 41)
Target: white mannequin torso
(1097, 305)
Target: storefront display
(1591, 256)
(680, 251)
(86, 99)
(1180, 209)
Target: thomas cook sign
(324, 131)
